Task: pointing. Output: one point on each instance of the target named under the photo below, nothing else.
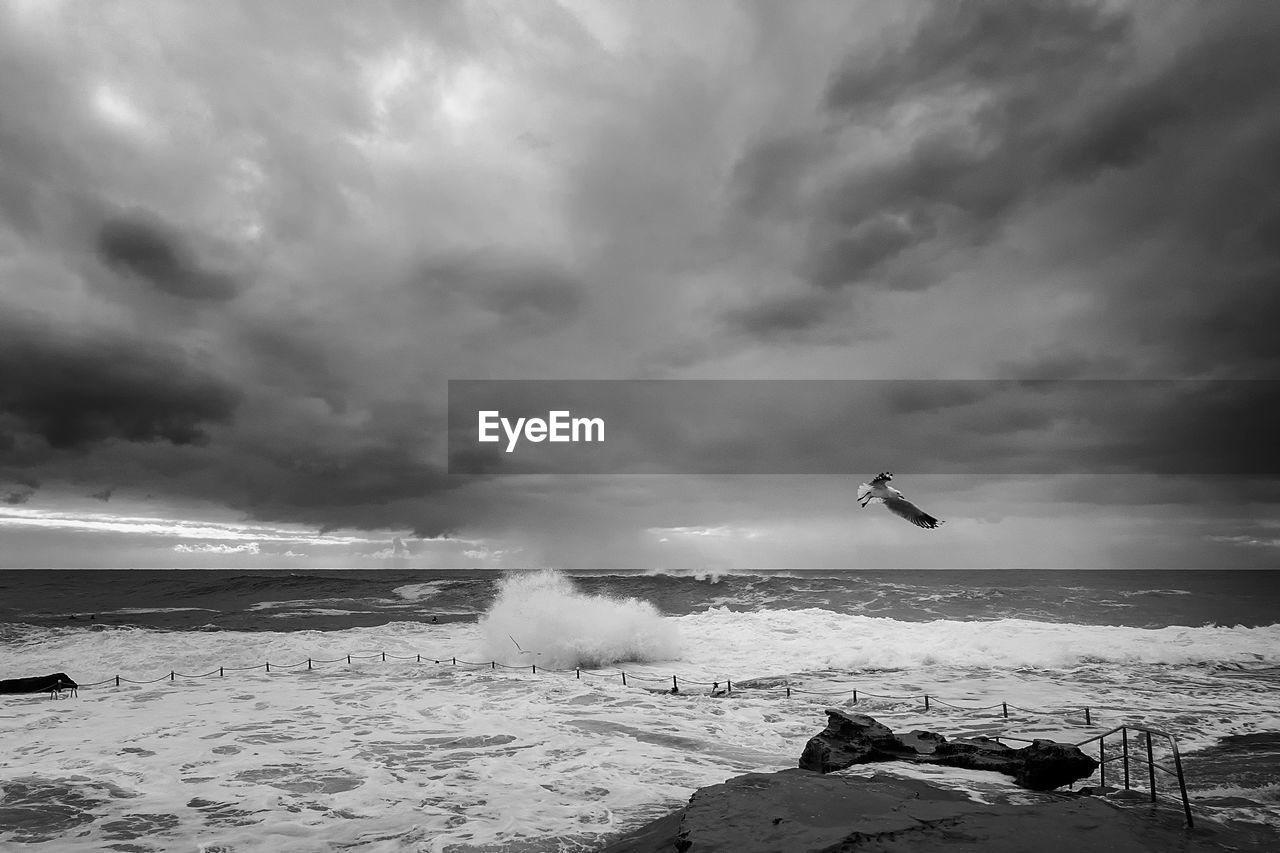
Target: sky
(244, 248)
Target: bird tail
(864, 489)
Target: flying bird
(894, 501)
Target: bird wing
(904, 508)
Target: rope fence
(770, 686)
(671, 684)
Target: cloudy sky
(245, 246)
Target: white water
(398, 755)
(541, 618)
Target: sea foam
(540, 618)
(801, 640)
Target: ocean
(403, 710)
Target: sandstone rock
(977, 753)
(1047, 765)
(798, 810)
(851, 739)
(922, 742)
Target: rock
(51, 684)
(1047, 765)
(922, 742)
(851, 739)
(979, 753)
(799, 810)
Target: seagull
(522, 651)
(894, 501)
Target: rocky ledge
(816, 811)
(802, 811)
(851, 739)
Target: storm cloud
(135, 246)
(1108, 125)
(244, 250)
(74, 392)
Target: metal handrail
(1152, 767)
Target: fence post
(268, 666)
(348, 660)
(171, 675)
(1004, 706)
(577, 673)
(1124, 745)
(675, 685)
(493, 664)
(1182, 785)
(788, 692)
(419, 658)
(455, 660)
(926, 701)
(220, 672)
(535, 668)
(624, 679)
(728, 686)
(1102, 762)
(308, 663)
(117, 681)
(1087, 720)
(1151, 768)
(855, 696)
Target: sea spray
(541, 618)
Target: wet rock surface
(803, 811)
(851, 739)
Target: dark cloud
(16, 497)
(1015, 106)
(1007, 46)
(780, 316)
(74, 391)
(381, 486)
(526, 295)
(138, 246)
(1065, 363)
(908, 398)
(1204, 296)
(1035, 190)
(21, 478)
(303, 359)
(1017, 72)
(766, 178)
(872, 241)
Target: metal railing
(1152, 766)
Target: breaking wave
(556, 625)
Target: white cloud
(217, 548)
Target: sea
(545, 710)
